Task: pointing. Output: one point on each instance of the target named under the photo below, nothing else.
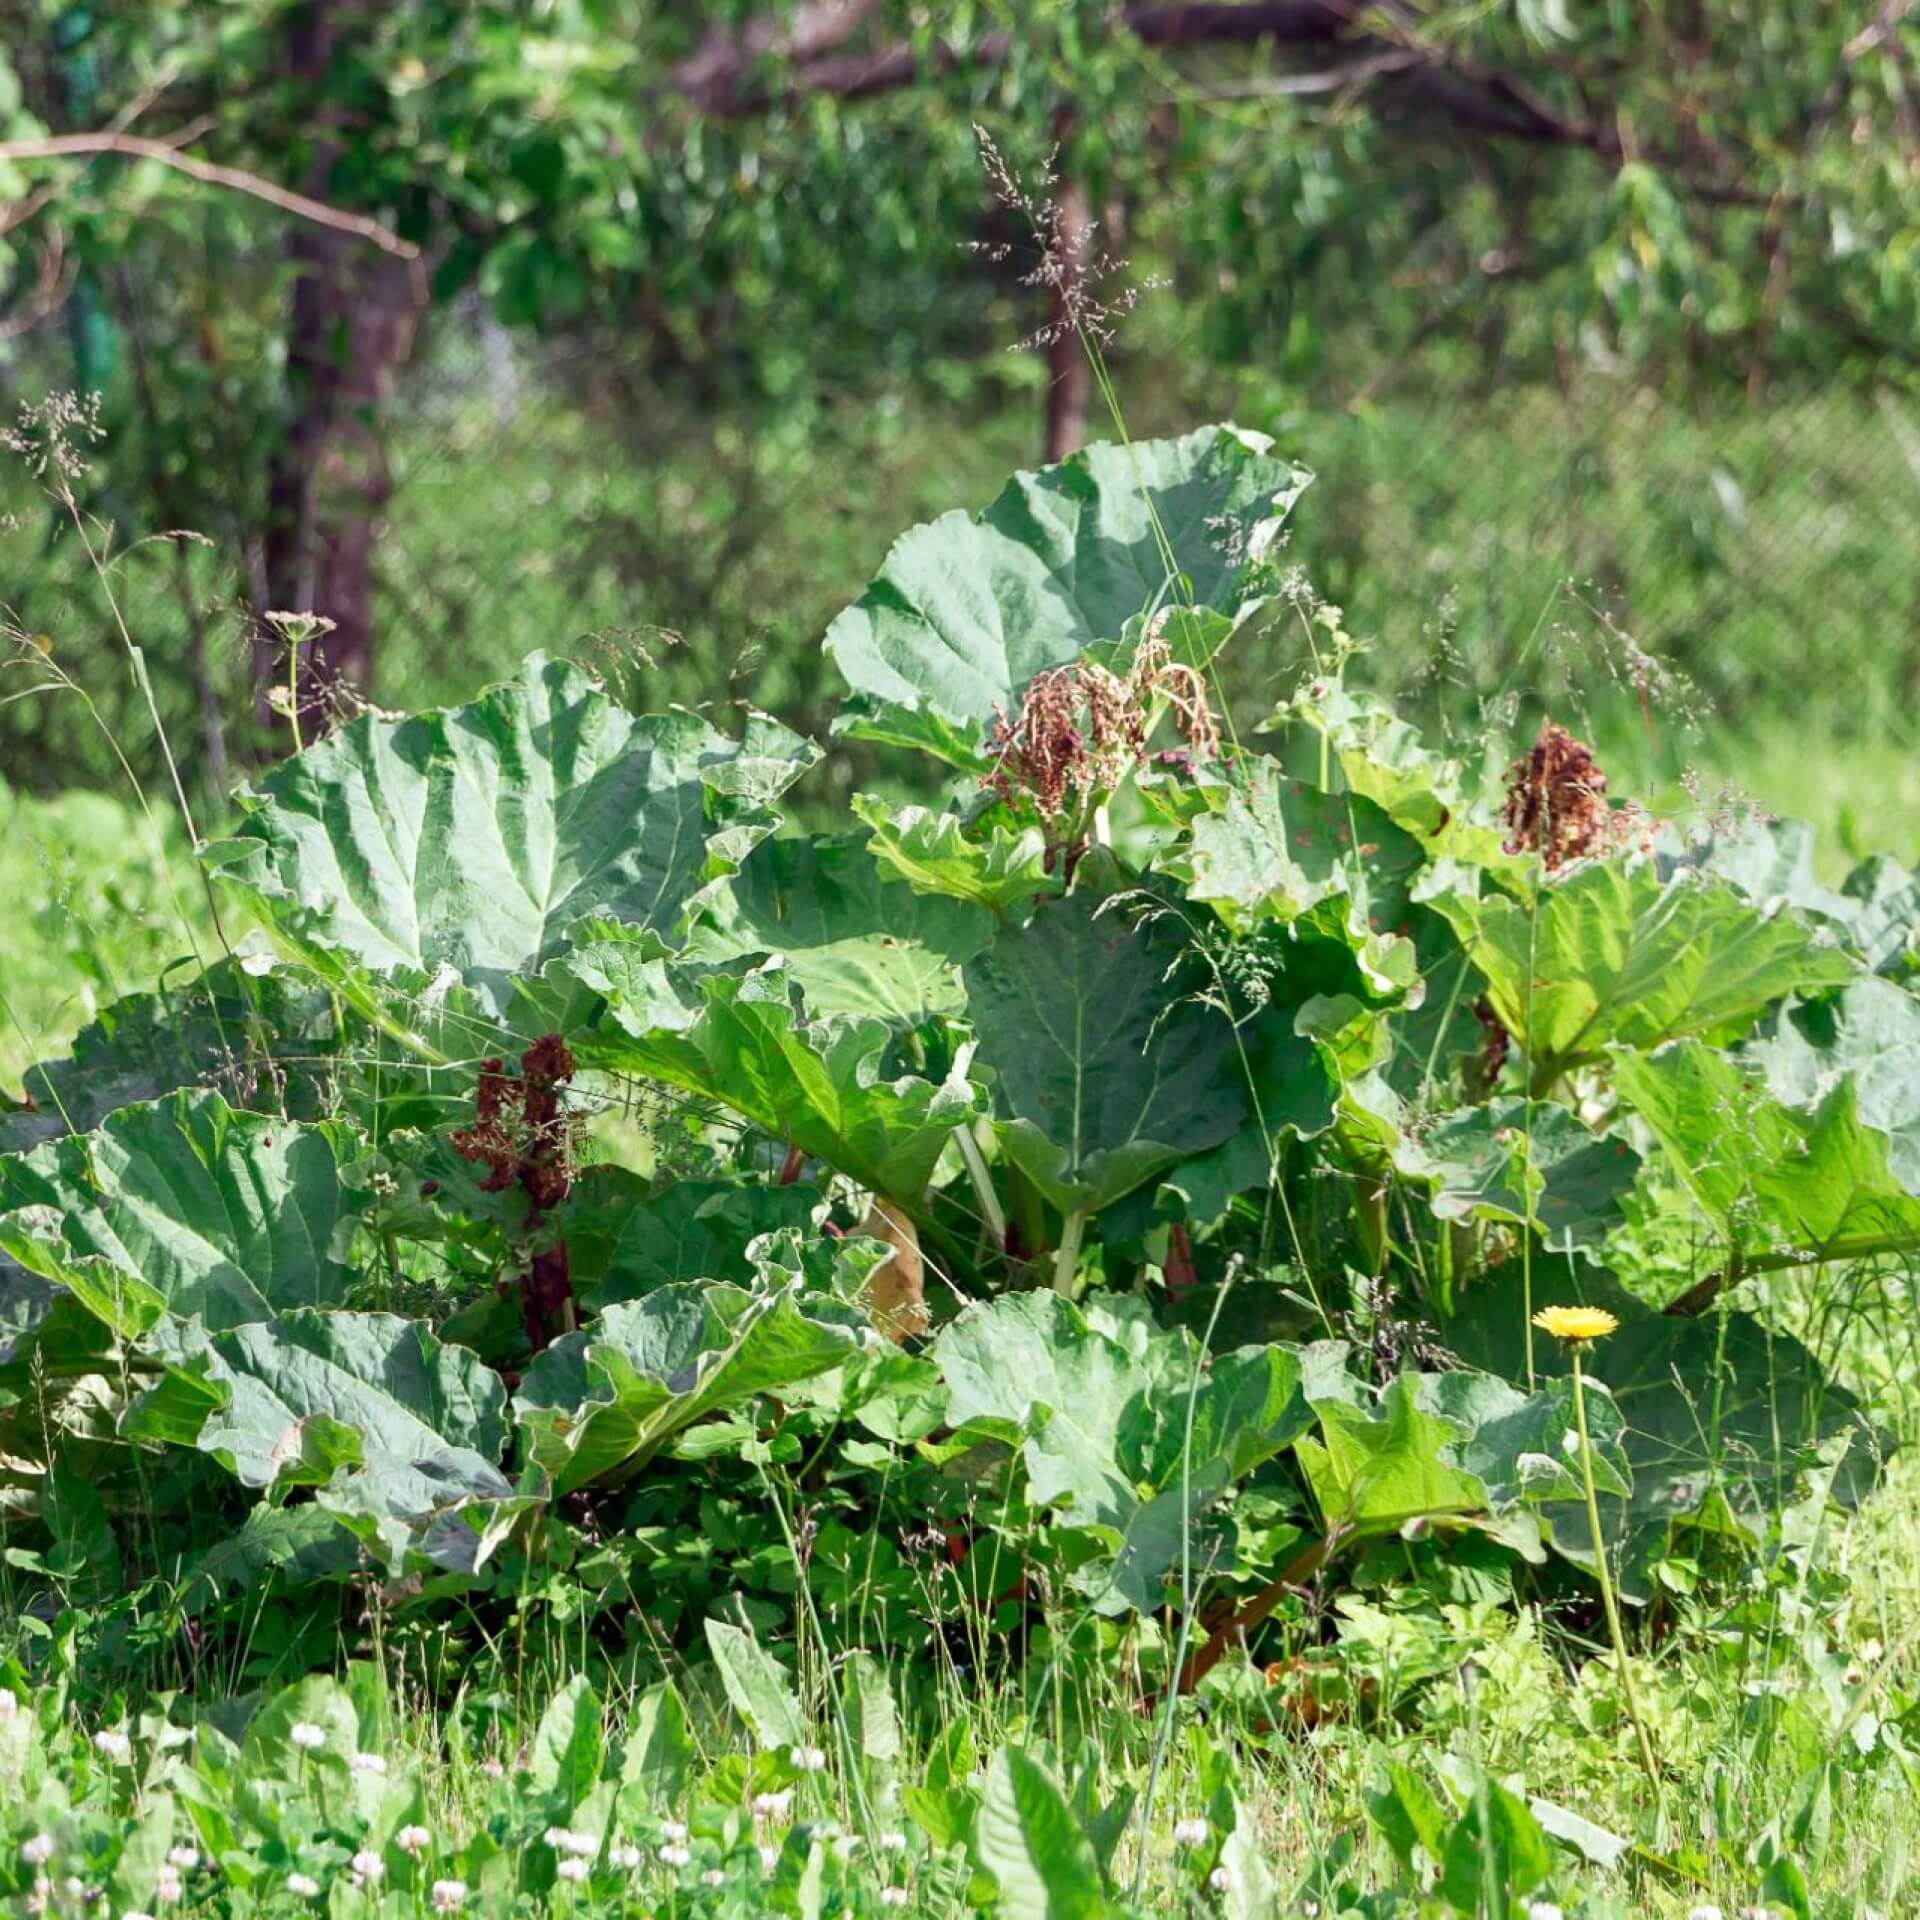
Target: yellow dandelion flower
(1575, 1323)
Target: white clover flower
(807, 1759)
(74, 1887)
(773, 1806)
(306, 1736)
(1705, 1911)
(114, 1744)
(713, 1877)
(574, 1870)
(1544, 1910)
(449, 1896)
(368, 1864)
(769, 1859)
(1190, 1832)
(625, 1858)
(894, 1896)
(553, 1836)
(185, 1858)
(132, 1916)
(304, 1885)
(586, 1845)
(9, 1704)
(369, 1763)
(168, 1886)
(895, 1842)
(493, 1769)
(846, 1846)
(675, 1830)
(37, 1850)
(414, 1840)
(1223, 1879)
(673, 1856)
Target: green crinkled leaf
(856, 941)
(624, 1241)
(1717, 1418)
(1523, 1162)
(1103, 1076)
(1374, 1467)
(967, 609)
(399, 1433)
(298, 1544)
(607, 1399)
(1883, 922)
(187, 1206)
(1609, 955)
(828, 1086)
(475, 837)
(934, 855)
(1781, 1183)
(234, 1028)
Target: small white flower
(368, 1864)
(769, 1859)
(713, 1877)
(675, 1830)
(773, 1806)
(304, 1885)
(74, 1887)
(553, 1836)
(1706, 1911)
(894, 1896)
(1223, 1879)
(168, 1886)
(131, 1916)
(38, 1850)
(369, 1763)
(115, 1745)
(415, 1840)
(583, 1844)
(894, 1842)
(671, 1856)
(449, 1896)
(1544, 1910)
(493, 1769)
(574, 1870)
(807, 1759)
(846, 1846)
(306, 1736)
(625, 1858)
(185, 1858)
(1190, 1832)
(9, 1704)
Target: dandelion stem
(1606, 1578)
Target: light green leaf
(1374, 1468)
(757, 1685)
(1027, 1838)
(966, 610)
(564, 1761)
(475, 837)
(1104, 1077)
(609, 1398)
(188, 1206)
(1608, 956)
(1002, 872)
(659, 1752)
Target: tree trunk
(350, 326)
(1069, 377)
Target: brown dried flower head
(1556, 801)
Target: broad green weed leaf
(967, 609)
(1027, 1838)
(1374, 1468)
(757, 1685)
(230, 1217)
(659, 1752)
(1002, 870)
(475, 837)
(607, 1399)
(564, 1761)
(1103, 1076)
(1609, 955)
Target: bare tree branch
(61, 146)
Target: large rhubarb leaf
(999, 867)
(399, 1434)
(475, 837)
(606, 1400)
(186, 1206)
(1612, 955)
(829, 1086)
(1104, 1076)
(967, 609)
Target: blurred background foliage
(1596, 320)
